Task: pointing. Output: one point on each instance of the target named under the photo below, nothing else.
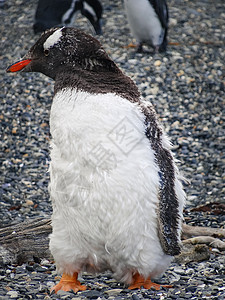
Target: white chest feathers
(100, 139)
(144, 23)
(104, 186)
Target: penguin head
(62, 50)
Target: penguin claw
(131, 45)
(68, 283)
(140, 282)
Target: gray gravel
(186, 85)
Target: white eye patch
(53, 39)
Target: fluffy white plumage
(104, 187)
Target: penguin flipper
(169, 216)
(161, 10)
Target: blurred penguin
(51, 13)
(148, 21)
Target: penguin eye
(46, 52)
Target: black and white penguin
(148, 20)
(116, 191)
(51, 13)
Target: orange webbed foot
(131, 45)
(68, 283)
(139, 281)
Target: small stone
(29, 268)
(63, 293)
(12, 294)
(14, 130)
(113, 292)
(179, 271)
(135, 297)
(157, 63)
(173, 22)
(41, 269)
(180, 73)
(44, 125)
(191, 288)
(44, 262)
(92, 294)
(29, 203)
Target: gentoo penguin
(51, 13)
(116, 192)
(148, 20)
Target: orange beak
(18, 66)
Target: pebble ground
(186, 86)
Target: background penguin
(148, 20)
(51, 13)
(116, 192)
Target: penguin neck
(101, 82)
